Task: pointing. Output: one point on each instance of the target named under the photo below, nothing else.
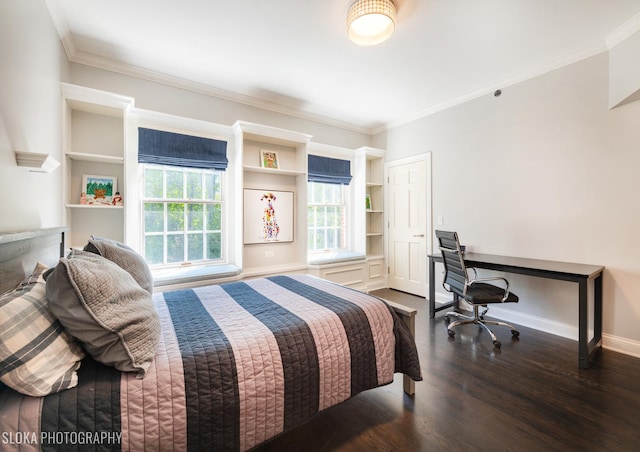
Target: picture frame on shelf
(98, 190)
(269, 159)
(367, 201)
(268, 216)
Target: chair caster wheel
(451, 333)
(447, 320)
(515, 333)
(497, 344)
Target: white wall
(624, 71)
(545, 171)
(181, 102)
(30, 114)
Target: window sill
(191, 274)
(336, 258)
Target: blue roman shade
(328, 170)
(167, 148)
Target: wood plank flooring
(527, 396)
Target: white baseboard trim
(621, 345)
(609, 342)
(535, 322)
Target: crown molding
(89, 59)
(99, 62)
(528, 74)
(62, 27)
(623, 32)
(73, 55)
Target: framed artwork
(268, 216)
(98, 189)
(269, 159)
(367, 201)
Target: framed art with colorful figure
(268, 216)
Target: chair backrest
(455, 271)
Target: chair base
(478, 319)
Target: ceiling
(293, 56)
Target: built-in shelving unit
(290, 176)
(93, 144)
(369, 183)
(375, 215)
(99, 127)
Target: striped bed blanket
(238, 363)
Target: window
(182, 215)
(182, 197)
(327, 218)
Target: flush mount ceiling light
(370, 22)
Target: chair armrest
(497, 278)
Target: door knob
(419, 235)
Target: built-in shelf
(92, 206)
(281, 172)
(87, 157)
(94, 126)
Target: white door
(409, 229)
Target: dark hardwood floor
(527, 396)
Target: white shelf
(92, 206)
(87, 157)
(282, 172)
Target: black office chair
(474, 291)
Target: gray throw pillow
(102, 306)
(125, 256)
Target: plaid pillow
(37, 356)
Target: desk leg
(597, 314)
(583, 323)
(596, 342)
(432, 288)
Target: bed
(232, 365)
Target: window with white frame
(327, 207)
(182, 198)
(182, 215)
(327, 217)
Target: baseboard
(609, 342)
(621, 345)
(535, 322)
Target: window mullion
(185, 217)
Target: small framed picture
(98, 189)
(269, 159)
(367, 201)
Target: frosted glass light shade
(370, 22)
